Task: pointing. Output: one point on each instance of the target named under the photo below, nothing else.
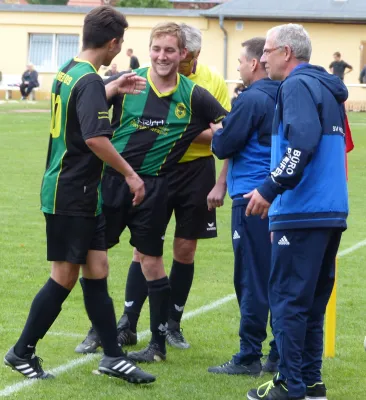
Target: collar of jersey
(153, 87)
(84, 61)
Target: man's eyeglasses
(185, 64)
(266, 52)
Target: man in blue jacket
(307, 191)
(245, 140)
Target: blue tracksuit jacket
(307, 184)
(246, 137)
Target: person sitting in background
(112, 71)
(29, 81)
(363, 75)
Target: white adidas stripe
(130, 370)
(128, 365)
(26, 371)
(119, 364)
(22, 366)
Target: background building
(49, 35)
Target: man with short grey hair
(308, 213)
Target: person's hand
(130, 84)
(216, 197)
(137, 187)
(215, 127)
(257, 204)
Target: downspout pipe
(221, 22)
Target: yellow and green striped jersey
(153, 130)
(79, 111)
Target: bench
(10, 83)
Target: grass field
(211, 332)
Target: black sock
(180, 279)
(135, 294)
(45, 308)
(99, 307)
(159, 293)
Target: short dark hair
(254, 47)
(101, 25)
(337, 54)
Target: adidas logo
(129, 303)
(124, 367)
(283, 241)
(26, 370)
(236, 235)
(179, 309)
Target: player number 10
(56, 115)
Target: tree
(49, 2)
(145, 3)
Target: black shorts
(189, 185)
(70, 238)
(146, 222)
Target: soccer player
(153, 135)
(308, 192)
(189, 182)
(245, 140)
(70, 198)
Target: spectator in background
(363, 75)
(112, 71)
(338, 66)
(134, 61)
(238, 90)
(29, 81)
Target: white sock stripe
(26, 371)
(22, 366)
(130, 370)
(119, 364)
(125, 367)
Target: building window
(49, 51)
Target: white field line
(352, 248)
(11, 389)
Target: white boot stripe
(119, 364)
(22, 366)
(32, 374)
(26, 371)
(130, 370)
(125, 367)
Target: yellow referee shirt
(213, 82)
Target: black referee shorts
(189, 185)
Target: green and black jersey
(79, 111)
(153, 130)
